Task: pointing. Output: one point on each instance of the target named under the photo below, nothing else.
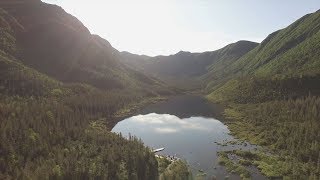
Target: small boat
(158, 150)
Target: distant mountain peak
(183, 53)
(13, 2)
(244, 41)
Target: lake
(187, 127)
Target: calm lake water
(185, 127)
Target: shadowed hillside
(186, 66)
(56, 43)
(61, 91)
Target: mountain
(187, 66)
(288, 57)
(291, 51)
(61, 91)
(272, 98)
(57, 44)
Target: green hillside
(291, 51)
(288, 56)
(272, 95)
(47, 125)
(62, 89)
(57, 106)
(186, 67)
(225, 57)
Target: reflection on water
(192, 139)
(166, 123)
(185, 106)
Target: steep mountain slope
(185, 65)
(291, 53)
(56, 43)
(273, 97)
(61, 90)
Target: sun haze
(163, 27)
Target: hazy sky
(155, 27)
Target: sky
(164, 27)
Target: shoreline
(133, 108)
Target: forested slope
(285, 65)
(191, 68)
(53, 130)
(273, 95)
(57, 44)
(61, 89)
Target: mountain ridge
(58, 44)
(186, 65)
(61, 91)
(273, 94)
(63, 88)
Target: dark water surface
(185, 106)
(185, 127)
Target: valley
(246, 111)
(185, 126)
(271, 94)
